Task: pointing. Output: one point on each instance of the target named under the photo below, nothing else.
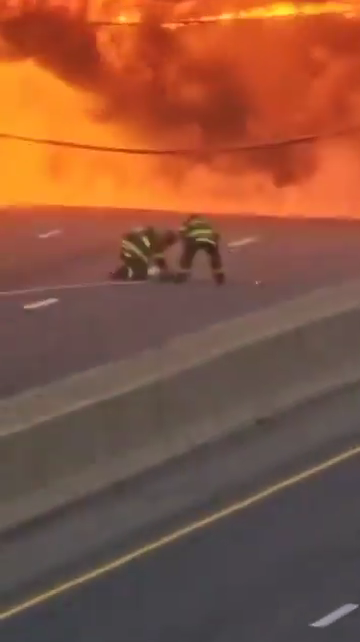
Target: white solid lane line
(241, 242)
(69, 286)
(335, 615)
(47, 235)
(40, 304)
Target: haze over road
(89, 322)
(271, 568)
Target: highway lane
(266, 571)
(48, 246)
(84, 327)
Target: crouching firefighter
(141, 249)
(198, 234)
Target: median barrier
(77, 436)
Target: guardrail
(77, 436)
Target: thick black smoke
(210, 86)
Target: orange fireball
(165, 75)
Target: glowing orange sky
(314, 87)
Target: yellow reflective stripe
(200, 236)
(127, 245)
(196, 221)
(201, 232)
(131, 247)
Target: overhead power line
(133, 151)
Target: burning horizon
(229, 80)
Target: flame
(147, 89)
(271, 11)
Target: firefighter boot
(120, 274)
(180, 277)
(167, 277)
(219, 278)
(125, 273)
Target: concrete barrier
(72, 438)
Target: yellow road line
(178, 534)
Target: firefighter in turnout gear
(143, 249)
(198, 234)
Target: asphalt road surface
(283, 566)
(62, 257)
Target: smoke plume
(203, 88)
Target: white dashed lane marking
(47, 235)
(70, 286)
(40, 304)
(232, 245)
(334, 616)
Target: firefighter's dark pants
(132, 268)
(191, 247)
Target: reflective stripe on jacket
(199, 230)
(139, 243)
(130, 249)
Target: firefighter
(142, 249)
(198, 234)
